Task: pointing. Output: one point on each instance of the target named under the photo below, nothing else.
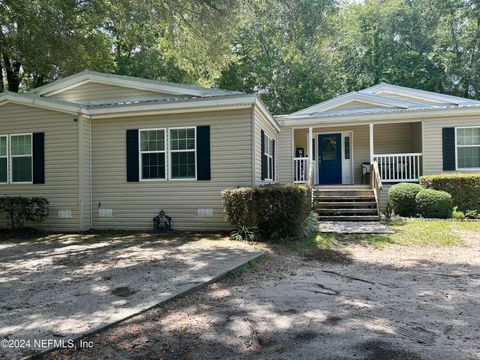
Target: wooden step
(343, 197)
(343, 193)
(343, 204)
(368, 211)
(349, 218)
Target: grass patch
(419, 232)
(319, 241)
(245, 268)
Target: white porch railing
(300, 168)
(399, 167)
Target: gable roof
(381, 98)
(161, 87)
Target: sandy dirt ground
(64, 286)
(355, 302)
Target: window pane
(3, 170)
(21, 145)
(3, 146)
(183, 165)
(469, 136)
(329, 147)
(152, 140)
(469, 157)
(153, 166)
(22, 169)
(347, 147)
(182, 139)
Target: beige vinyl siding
(392, 138)
(285, 155)
(355, 105)
(416, 131)
(407, 98)
(94, 91)
(432, 132)
(61, 161)
(134, 204)
(85, 176)
(262, 123)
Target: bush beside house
(464, 188)
(21, 209)
(434, 204)
(272, 212)
(401, 199)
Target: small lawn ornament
(162, 222)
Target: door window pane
(329, 147)
(347, 147)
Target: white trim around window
(5, 157)
(457, 146)
(269, 152)
(155, 151)
(171, 151)
(11, 157)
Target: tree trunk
(2, 86)
(13, 73)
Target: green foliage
(248, 233)
(277, 211)
(434, 204)
(464, 188)
(472, 214)
(20, 209)
(456, 214)
(401, 198)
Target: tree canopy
(293, 53)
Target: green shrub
(464, 188)
(457, 214)
(401, 198)
(434, 204)
(20, 209)
(276, 211)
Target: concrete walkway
(64, 287)
(354, 227)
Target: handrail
(375, 182)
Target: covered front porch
(326, 155)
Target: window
(152, 154)
(3, 159)
(468, 148)
(347, 147)
(182, 153)
(269, 150)
(21, 158)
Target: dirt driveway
(356, 302)
(63, 286)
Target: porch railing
(399, 167)
(300, 168)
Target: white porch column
(310, 151)
(371, 143)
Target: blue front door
(330, 158)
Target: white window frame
(464, 146)
(6, 157)
(268, 143)
(11, 156)
(170, 151)
(140, 153)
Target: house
(405, 132)
(109, 151)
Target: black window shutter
(273, 158)
(132, 155)
(448, 148)
(203, 153)
(264, 158)
(38, 143)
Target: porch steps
(345, 203)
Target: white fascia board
(264, 110)
(416, 93)
(25, 99)
(183, 106)
(400, 115)
(355, 96)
